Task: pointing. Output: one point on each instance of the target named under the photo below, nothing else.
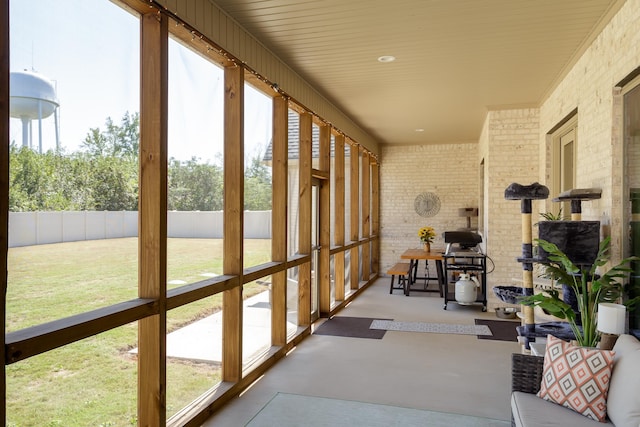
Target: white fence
(39, 228)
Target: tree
(257, 186)
(38, 181)
(195, 186)
(104, 176)
(113, 184)
(111, 178)
(116, 141)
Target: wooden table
(414, 256)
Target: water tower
(32, 96)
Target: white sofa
(623, 400)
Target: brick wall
(509, 146)
(448, 170)
(590, 87)
(513, 147)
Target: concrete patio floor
(440, 372)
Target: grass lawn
(93, 382)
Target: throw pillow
(576, 377)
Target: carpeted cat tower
(576, 196)
(582, 239)
(527, 193)
(576, 238)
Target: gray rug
(352, 327)
(293, 410)
(436, 328)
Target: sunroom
(166, 162)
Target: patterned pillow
(576, 377)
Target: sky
(90, 52)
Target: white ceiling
(456, 59)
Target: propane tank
(467, 289)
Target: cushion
(577, 377)
(528, 410)
(623, 403)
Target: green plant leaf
(591, 286)
(550, 302)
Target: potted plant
(427, 234)
(590, 288)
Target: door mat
(436, 328)
(502, 330)
(353, 327)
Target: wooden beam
(259, 271)
(297, 260)
(279, 171)
(339, 212)
(28, 342)
(355, 214)
(317, 173)
(254, 79)
(324, 160)
(4, 189)
(152, 219)
(305, 217)
(366, 216)
(182, 30)
(233, 221)
(192, 292)
(323, 272)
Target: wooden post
(366, 217)
(375, 216)
(233, 221)
(355, 215)
(152, 219)
(4, 189)
(279, 220)
(324, 261)
(304, 224)
(338, 199)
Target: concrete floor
(450, 373)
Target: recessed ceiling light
(386, 58)
(419, 130)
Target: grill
(462, 241)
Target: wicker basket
(526, 372)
